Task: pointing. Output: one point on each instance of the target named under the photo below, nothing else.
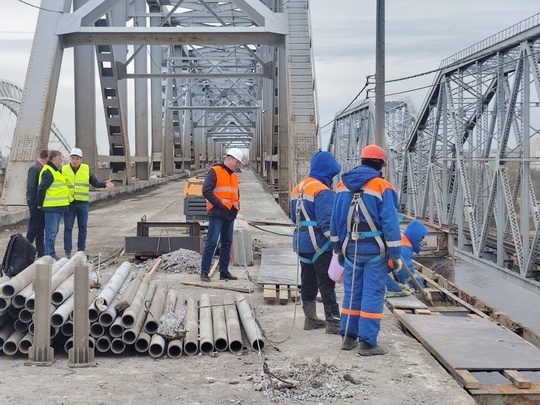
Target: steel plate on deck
(278, 266)
(472, 343)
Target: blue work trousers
(79, 211)
(52, 224)
(363, 301)
(217, 228)
(36, 229)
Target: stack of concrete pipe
(118, 323)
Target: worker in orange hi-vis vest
(222, 193)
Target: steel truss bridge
(469, 161)
(208, 75)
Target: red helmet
(374, 152)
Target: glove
(397, 264)
(341, 259)
(405, 288)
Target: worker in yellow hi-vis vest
(78, 179)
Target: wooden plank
(467, 379)
(517, 379)
(269, 293)
(218, 287)
(422, 312)
(283, 294)
(295, 295)
(213, 268)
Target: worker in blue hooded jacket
(365, 232)
(411, 242)
(311, 210)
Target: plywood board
(472, 343)
(279, 267)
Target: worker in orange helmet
(365, 232)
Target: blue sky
(419, 34)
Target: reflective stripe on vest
(226, 189)
(78, 183)
(57, 195)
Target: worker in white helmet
(222, 193)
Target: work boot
(311, 320)
(349, 343)
(205, 277)
(366, 349)
(67, 254)
(227, 276)
(333, 319)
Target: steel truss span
(10, 97)
(472, 162)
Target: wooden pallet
(273, 293)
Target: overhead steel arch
(10, 97)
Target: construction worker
(36, 222)
(53, 197)
(78, 179)
(365, 233)
(222, 193)
(411, 242)
(311, 210)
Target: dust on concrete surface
(312, 360)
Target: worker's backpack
(20, 254)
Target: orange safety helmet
(374, 152)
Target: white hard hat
(76, 152)
(236, 153)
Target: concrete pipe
(20, 326)
(5, 302)
(11, 345)
(130, 335)
(109, 291)
(191, 346)
(5, 333)
(26, 342)
(63, 291)
(78, 259)
(219, 328)
(118, 346)
(67, 328)
(14, 312)
(151, 322)
(174, 348)
(103, 343)
(234, 334)
(21, 280)
(130, 314)
(143, 342)
(116, 330)
(4, 318)
(93, 313)
(157, 346)
(107, 317)
(25, 315)
(61, 314)
(19, 300)
(253, 331)
(206, 335)
(96, 330)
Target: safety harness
(304, 220)
(353, 225)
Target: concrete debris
(171, 325)
(178, 261)
(313, 382)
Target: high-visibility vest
(78, 183)
(226, 189)
(57, 195)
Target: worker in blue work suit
(365, 232)
(411, 242)
(311, 210)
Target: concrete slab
(280, 267)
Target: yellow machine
(194, 202)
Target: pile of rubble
(178, 261)
(313, 382)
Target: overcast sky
(419, 35)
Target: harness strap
(307, 222)
(315, 256)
